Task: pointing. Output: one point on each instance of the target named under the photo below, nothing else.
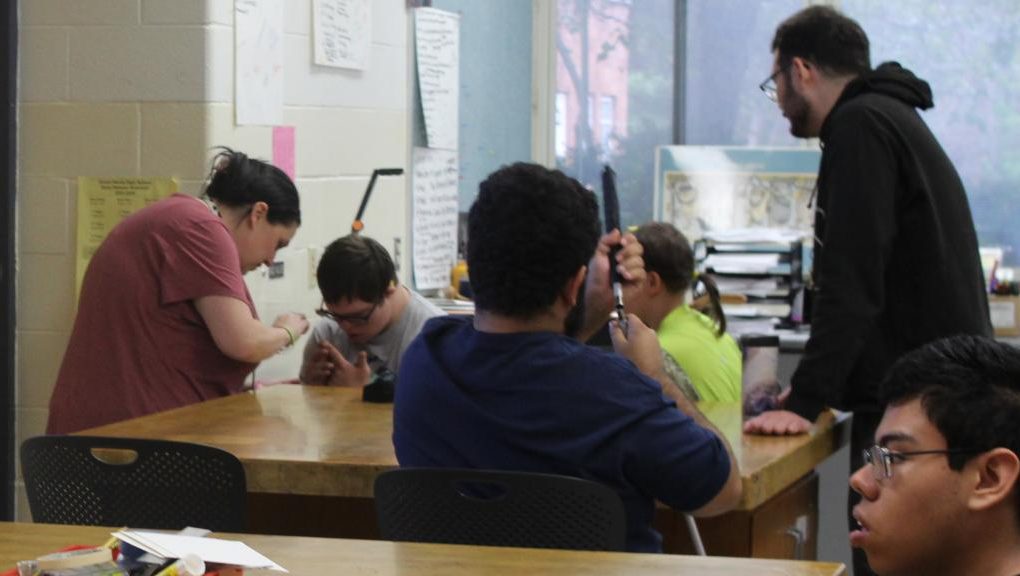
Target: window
(633, 74)
(966, 50)
(969, 53)
(607, 109)
(561, 126)
(727, 54)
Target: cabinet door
(787, 526)
(726, 535)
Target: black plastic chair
(99, 481)
(498, 508)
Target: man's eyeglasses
(351, 319)
(769, 85)
(881, 458)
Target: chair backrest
(498, 508)
(133, 482)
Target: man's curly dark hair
(529, 231)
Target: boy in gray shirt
(369, 318)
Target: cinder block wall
(145, 88)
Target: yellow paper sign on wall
(103, 203)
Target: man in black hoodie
(895, 254)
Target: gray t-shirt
(387, 347)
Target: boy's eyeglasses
(351, 319)
(881, 458)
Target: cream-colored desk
(311, 455)
(304, 556)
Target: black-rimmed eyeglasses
(881, 458)
(769, 88)
(351, 319)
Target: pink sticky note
(283, 149)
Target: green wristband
(289, 335)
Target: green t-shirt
(713, 363)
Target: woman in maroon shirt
(164, 317)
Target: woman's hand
(295, 324)
(239, 335)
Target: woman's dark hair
(238, 181)
(355, 267)
(668, 254)
(825, 37)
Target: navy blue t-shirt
(543, 402)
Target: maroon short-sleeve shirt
(139, 345)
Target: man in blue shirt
(513, 389)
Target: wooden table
(311, 455)
(316, 556)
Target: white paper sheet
(258, 62)
(342, 32)
(437, 49)
(434, 229)
(756, 235)
(208, 549)
(742, 263)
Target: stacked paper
(751, 287)
(210, 550)
(756, 310)
(744, 263)
(756, 235)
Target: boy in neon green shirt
(699, 343)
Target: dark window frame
(8, 167)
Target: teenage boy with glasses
(369, 319)
(939, 487)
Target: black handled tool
(611, 207)
(358, 225)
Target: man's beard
(797, 111)
(575, 318)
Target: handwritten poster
(437, 49)
(103, 203)
(258, 62)
(434, 231)
(342, 32)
